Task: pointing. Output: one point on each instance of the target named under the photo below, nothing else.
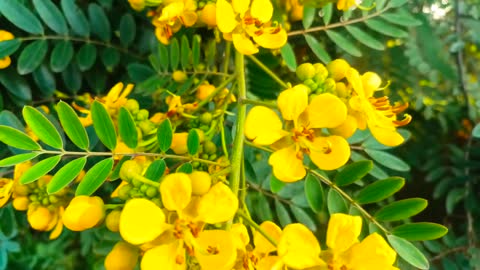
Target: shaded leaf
(86, 56)
(335, 202)
(289, 56)
(42, 127)
(32, 56)
(185, 53)
(353, 172)
(127, 29)
(193, 142)
(17, 139)
(40, 169)
(344, 43)
(402, 209)
(76, 18)
(317, 49)
(314, 193)
(386, 28)
(14, 160)
(282, 214)
(61, 56)
(127, 128)
(99, 22)
(103, 124)
(165, 135)
(16, 86)
(72, 126)
(174, 54)
(275, 184)
(51, 16)
(196, 50)
(302, 217)
(408, 252)
(8, 47)
(365, 38)
(95, 177)
(45, 80)
(156, 170)
(21, 16)
(420, 231)
(380, 190)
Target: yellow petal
(218, 250)
(347, 129)
(218, 205)
(326, 111)
(263, 126)
(176, 191)
(189, 18)
(388, 136)
(286, 165)
(271, 37)
(141, 221)
(293, 101)
(169, 257)
(123, 256)
(226, 21)
(371, 82)
(59, 226)
(343, 231)
(298, 247)
(345, 4)
(262, 245)
(373, 253)
(240, 6)
(270, 263)
(330, 153)
(241, 236)
(6, 189)
(20, 169)
(179, 143)
(354, 79)
(243, 44)
(83, 213)
(262, 10)
(5, 35)
(5, 62)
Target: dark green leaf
(185, 53)
(103, 124)
(72, 126)
(110, 58)
(165, 135)
(32, 56)
(386, 28)
(193, 142)
(289, 56)
(94, 178)
(51, 16)
(86, 56)
(335, 202)
(282, 213)
(365, 38)
(344, 43)
(196, 50)
(454, 196)
(156, 170)
(72, 78)
(388, 160)
(140, 72)
(8, 47)
(127, 29)
(353, 172)
(45, 80)
(65, 175)
(163, 56)
(42, 127)
(420, 231)
(14, 160)
(17, 139)
(302, 217)
(309, 14)
(75, 17)
(127, 128)
(275, 184)
(211, 52)
(21, 16)
(16, 86)
(40, 169)
(174, 54)
(99, 22)
(402, 209)
(380, 190)
(314, 193)
(408, 252)
(317, 49)
(61, 56)
(185, 168)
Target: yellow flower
(345, 4)
(176, 191)
(6, 189)
(123, 256)
(347, 253)
(219, 204)
(6, 61)
(376, 113)
(216, 250)
(242, 21)
(83, 213)
(169, 256)
(302, 132)
(171, 18)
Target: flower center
(383, 106)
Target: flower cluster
(6, 61)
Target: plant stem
(268, 71)
(215, 92)
(260, 103)
(257, 227)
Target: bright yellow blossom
(172, 16)
(345, 4)
(83, 213)
(244, 20)
(6, 61)
(302, 132)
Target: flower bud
(201, 182)
(83, 213)
(204, 91)
(112, 220)
(208, 15)
(123, 256)
(338, 69)
(179, 143)
(129, 170)
(179, 76)
(206, 118)
(132, 106)
(305, 71)
(209, 147)
(21, 203)
(39, 218)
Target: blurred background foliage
(429, 50)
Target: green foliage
(95, 177)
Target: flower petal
(373, 253)
(371, 82)
(343, 231)
(386, 135)
(263, 126)
(240, 6)
(225, 17)
(176, 191)
(262, 245)
(262, 10)
(218, 205)
(354, 79)
(330, 153)
(286, 165)
(326, 111)
(167, 256)
(221, 252)
(243, 44)
(293, 101)
(271, 37)
(347, 129)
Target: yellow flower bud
(21, 190)
(21, 203)
(179, 143)
(113, 220)
(176, 191)
(39, 218)
(129, 170)
(123, 256)
(179, 76)
(83, 213)
(338, 69)
(208, 15)
(305, 71)
(201, 182)
(204, 91)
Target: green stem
(145, 180)
(268, 71)
(260, 103)
(257, 227)
(113, 206)
(215, 92)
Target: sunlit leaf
(72, 126)
(65, 175)
(42, 127)
(103, 124)
(95, 177)
(40, 169)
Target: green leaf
(65, 175)
(210, 53)
(402, 209)
(344, 43)
(51, 16)
(353, 172)
(42, 127)
(282, 213)
(454, 196)
(14, 160)
(103, 124)
(193, 142)
(99, 22)
(61, 56)
(420, 231)
(397, 3)
(314, 193)
(86, 56)
(302, 217)
(335, 202)
(127, 29)
(40, 169)
(156, 170)
(115, 174)
(45, 80)
(21, 16)
(289, 56)
(163, 56)
(75, 17)
(308, 16)
(110, 58)
(8, 47)
(127, 128)
(185, 168)
(185, 53)
(408, 252)
(327, 13)
(196, 49)
(72, 126)
(388, 160)
(17, 86)
(95, 177)
(385, 28)
(174, 53)
(365, 38)
(476, 131)
(17, 139)
(380, 190)
(317, 49)
(165, 135)
(32, 56)
(275, 184)
(401, 18)
(72, 78)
